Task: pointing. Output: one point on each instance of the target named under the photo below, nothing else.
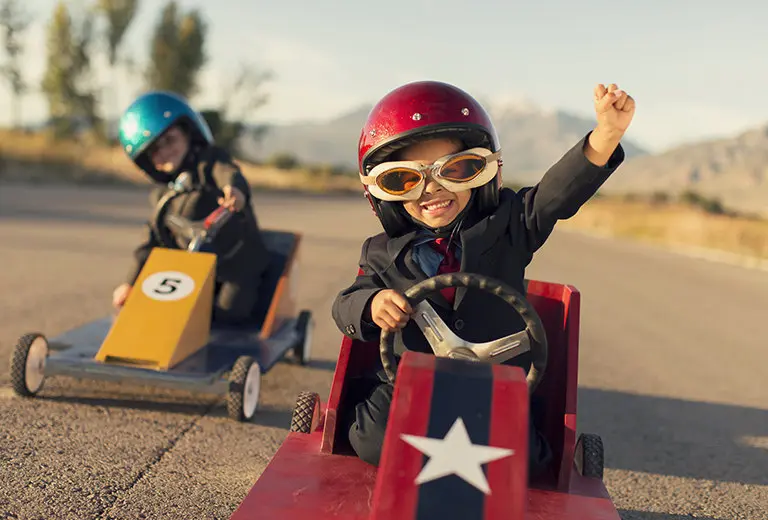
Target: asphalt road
(674, 371)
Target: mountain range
(532, 139)
(732, 169)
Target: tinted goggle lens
(463, 168)
(398, 180)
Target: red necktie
(450, 264)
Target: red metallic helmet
(418, 111)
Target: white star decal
(455, 454)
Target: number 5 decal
(168, 286)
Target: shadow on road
(270, 416)
(676, 437)
(266, 416)
(626, 514)
(654, 435)
(322, 364)
(183, 407)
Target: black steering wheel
(194, 234)
(445, 343)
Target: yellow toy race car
(164, 334)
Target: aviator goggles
(405, 180)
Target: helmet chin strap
(188, 163)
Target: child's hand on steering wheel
(390, 310)
(233, 199)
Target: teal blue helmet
(148, 117)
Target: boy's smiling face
(169, 150)
(437, 207)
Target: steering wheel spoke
(503, 349)
(182, 226)
(193, 235)
(446, 343)
(439, 335)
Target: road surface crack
(160, 454)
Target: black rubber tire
(302, 322)
(236, 393)
(19, 365)
(590, 455)
(304, 412)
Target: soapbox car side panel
(559, 307)
(280, 282)
(269, 335)
(318, 473)
(301, 479)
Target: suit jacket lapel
(475, 241)
(397, 278)
(402, 281)
(395, 245)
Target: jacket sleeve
(140, 256)
(351, 303)
(561, 192)
(222, 169)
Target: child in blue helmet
(164, 137)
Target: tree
(118, 14)
(162, 66)
(191, 52)
(224, 132)
(284, 161)
(246, 88)
(13, 22)
(177, 52)
(67, 82)
(710, 205)
(242, 96)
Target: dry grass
(674, 224)
(36, 157)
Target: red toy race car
(456, 444)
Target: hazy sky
(696, 68)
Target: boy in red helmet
(430, 161)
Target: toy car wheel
(304, 326)
(244, 389)
(28, 364)
(304, 412)
(589, 456)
